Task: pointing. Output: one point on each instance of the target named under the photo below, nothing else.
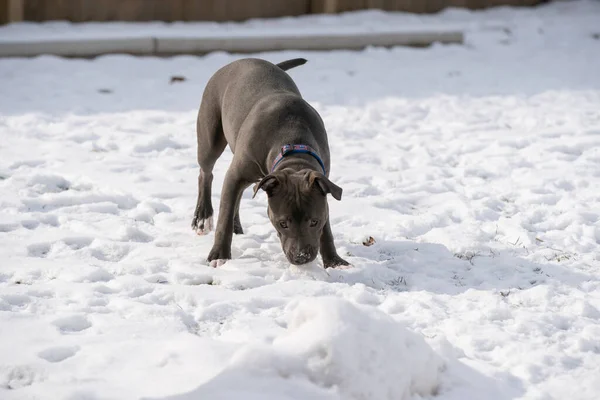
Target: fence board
(131, 10)
(235, 10)
(419, 6)
(41, 10)
(11, 11)
(351, 5)
(434, 6)
(91, 10)
(323, 6)
(224, 10)
(424, 6)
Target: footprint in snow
(97, 275)
(9, 302)
(96, 202)
(159, 144)
(72, 324)
(39, 250)
(27, 163)
(19, 376)
(78, 243)
(46, 219)
(4, 277)
(140, 291)
(83, 137)
(46, 183)
(58, 354)
(5, 228)
(109, 251)
(30, 224)
(132, 234)
(184, 278)
(158, 278)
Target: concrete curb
(77, 48)
(233, 44)
(354, 41)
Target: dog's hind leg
(211, 143)
(237, 224)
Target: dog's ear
(321, 182)
(269, 183)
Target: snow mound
(331, 349)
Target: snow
(306, 25)
(475, 168)
(324, 346)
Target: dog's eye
(313, 222)
(283, 224)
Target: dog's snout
(301, 256)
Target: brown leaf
(177, 78)
(369, 241)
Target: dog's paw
(237, 229)
(343, 266)
(203, 226)
(336, 262)
(218, 256)
(217, 263)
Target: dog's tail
(289, 64)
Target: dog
(278, 140)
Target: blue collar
(297, 148)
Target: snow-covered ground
(475, 168)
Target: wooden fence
(215, 10)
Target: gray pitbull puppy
(279, 141)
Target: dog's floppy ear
(269, 183)
(324, 184)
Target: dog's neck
(297, 156)
(298, 162)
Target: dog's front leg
(331, 259)
(233, 187)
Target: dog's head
(298, 210)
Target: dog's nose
(303, 256)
